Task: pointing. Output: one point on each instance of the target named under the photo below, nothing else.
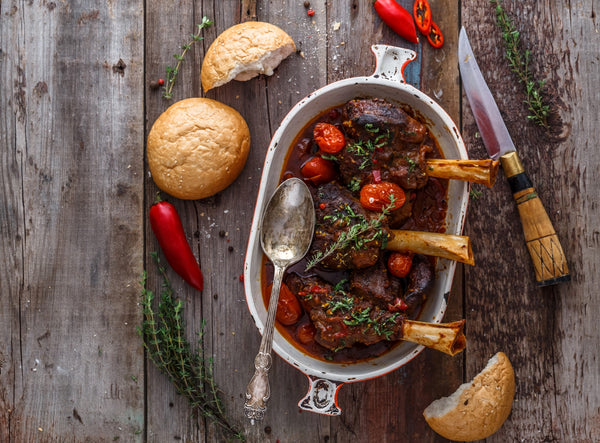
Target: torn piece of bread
(477, 409)
(243, 52)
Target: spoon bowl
(287, 228)
(288, 223)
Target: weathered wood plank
(163, 404)
(388, 407)
(297, 76)
(74, 232)
(12, 226)
(72, 143)
(223, 221)
(548, 333)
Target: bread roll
(244, 51)
(197, 148)
(477, 409)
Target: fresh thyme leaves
(474, 193)
(173, 71)
(339, 287)
(382, 139)
(331, 157)
(362, 149)
(411, 164)
(358, 317)
(365, 148)
(343, 304)
(162, 332)
(381, 326)
(371, 128)
(354, 184)
(354, 236)
(518, 61)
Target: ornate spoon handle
(258, 390)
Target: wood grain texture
(75, 109)
(408, 390)
(548, 333)
(72, 146)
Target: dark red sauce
(429, 213)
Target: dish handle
(390, 62)
(322, 396)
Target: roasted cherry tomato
(305, 333)
(329, 138)
(318, 170)
(289, 310)
(399, 263)
(422, 15)
(435, 36)
(375, 197)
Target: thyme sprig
(163, 333)
(359, 225)
(173, 71)
(518, 61)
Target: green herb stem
(519, 63)
(163, 334)
(172, 72)
(354, 233)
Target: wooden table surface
(75, 110)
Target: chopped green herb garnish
(354, 184)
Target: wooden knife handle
(542, 242)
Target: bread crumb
(336, 26)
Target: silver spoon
(286, 233)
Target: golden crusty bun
(197, 147)
(244, 51)
(477, 409)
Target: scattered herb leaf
(474, 193)
(354, 236)
(173, 71)
(163, 332)
(518, 61)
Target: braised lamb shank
(385, 138)
(339, 214)
(367, 308)
(350, 292)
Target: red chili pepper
(397, 18)
(397, 305)
(422, 15)
(376, 176)
(435, 36)
(168, 230)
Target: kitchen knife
(542, 242)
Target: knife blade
(542, 242)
